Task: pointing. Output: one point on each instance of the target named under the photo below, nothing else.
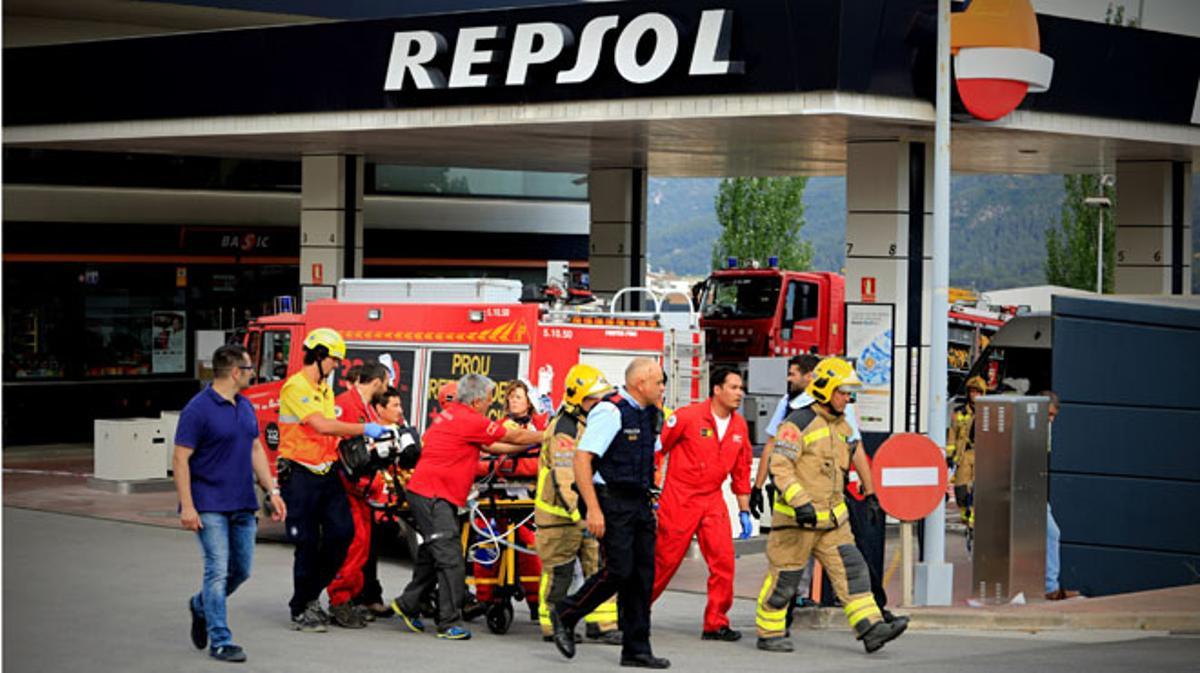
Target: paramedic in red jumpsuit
(705, 443)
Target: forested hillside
(997, 230)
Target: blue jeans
(227, 540)
(1052, 562)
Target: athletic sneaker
(231, 653)
(412, 623)
(454, 633)
(344, 615)
(308, 621)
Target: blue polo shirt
(221, 435)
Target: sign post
(909, 471)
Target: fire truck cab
(428, 332)
(771, 313)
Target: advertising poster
(446, 366)
(399, 364)
(869, 342)
(169, 339)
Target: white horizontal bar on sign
(910, 476)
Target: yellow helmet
(977, 383)
(329, 338)
(832, 374)
(584, 381)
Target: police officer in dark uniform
(614, 472)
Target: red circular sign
(909, 472)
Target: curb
(938, 619)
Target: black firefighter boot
(881, 632)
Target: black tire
(500, 617)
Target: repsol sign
(642, 50)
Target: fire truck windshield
(740, 297)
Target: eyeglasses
(246, 368)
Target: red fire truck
(769, 312)
(428, 332)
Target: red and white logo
(997, 56)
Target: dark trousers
(627, 570)
(372, 591)
(319, 524)
(439, 561)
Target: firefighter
(960, 450)
(562, 536)
(812, 454)
(318, 520)
(706, 443)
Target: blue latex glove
(747, 528)
(373, 430)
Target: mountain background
(998, 226)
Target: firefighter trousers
(682, 516)
(348, 581)
(559, 547)
(788, 550)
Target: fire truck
(430, 331)
(769, 312)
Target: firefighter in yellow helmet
(318, 514)
(562, 535)
(808, 467)
(960, 450)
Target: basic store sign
(644, 49)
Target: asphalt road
(84, 594)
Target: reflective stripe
(288, 418)
(539, 500)
(862, 608)
(774, 622)
(816, 435)
(792, 491)
(823, 515)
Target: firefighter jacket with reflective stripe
(628, 464)
(556, 502)
(960, 436)
(809, 465)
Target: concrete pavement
(83, 594)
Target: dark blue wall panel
(1125, 465)
(1100, 571)
(1126, 441)
(1121, 512)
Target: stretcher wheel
(500, 617)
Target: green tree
(760, 218)
(1071, 247)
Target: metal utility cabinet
(1010, 497)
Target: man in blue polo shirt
(218, 457)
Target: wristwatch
(274, 491)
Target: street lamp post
(1103, 203)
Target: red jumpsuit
(348, 581)
(693, 503)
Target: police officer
(614, 471)
(812, 454)
(562, 535)
(960, 450)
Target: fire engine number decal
(497, 312)
(557, 333)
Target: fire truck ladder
(683, 347)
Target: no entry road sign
(909, 471)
